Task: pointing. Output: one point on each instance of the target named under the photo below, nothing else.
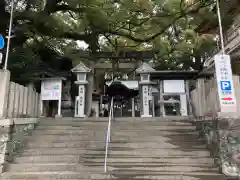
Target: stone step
(112, 154)
(81, 128)
(136, 164)
(93, 159)
(115, 145)
(116, 127)
(65, 175)
(79, 168)
(117, 175)
(99, 137)
(38, 132)
(79, 151)
(130, 164)
(117, 120)
(118, 123)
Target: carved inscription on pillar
(145, 101)
(81, 104)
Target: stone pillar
(33, 103)
(36, 109)
(145, 97)
(161, 102)
(40, 104)
(4, 89)
(41, 108)
(80, 104)
(81, 101)
(183, 101)
(11, 100)
(133, 107)
(25, 100)
(59, 111)
(201, 94)
(29, 101)
(16, 100)
(189, 103)
(21, 95)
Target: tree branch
(191, 10)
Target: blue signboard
(2, 43)
(225, 85)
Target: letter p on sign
(225, 85)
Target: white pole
(9, 35)
(108, 139)
(133, 108)
(60, 101)
(220, 26)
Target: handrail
(108, 138)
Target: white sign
(174, 86)
(51, 89)
(225, 84)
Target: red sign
(227, 99)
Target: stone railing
(19, 112)
(22, 101)
(220, 130)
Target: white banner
(51, 89)
(225, 83)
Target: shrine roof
(177, 75)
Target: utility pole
(220, 26)
(9, 35)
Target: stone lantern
(145, 85)
(80, 103)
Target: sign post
(51, 90)
(226, 92)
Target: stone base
(58, 116)
(13, 139)
(79, 116)
(146, 116)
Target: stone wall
(12, 138)
(220, 130)
(4, 139)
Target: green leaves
(168, 26)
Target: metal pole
(9, 35)
(220, 26)
(221, 36)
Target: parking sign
(225, 84)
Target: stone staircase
(140, 149)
